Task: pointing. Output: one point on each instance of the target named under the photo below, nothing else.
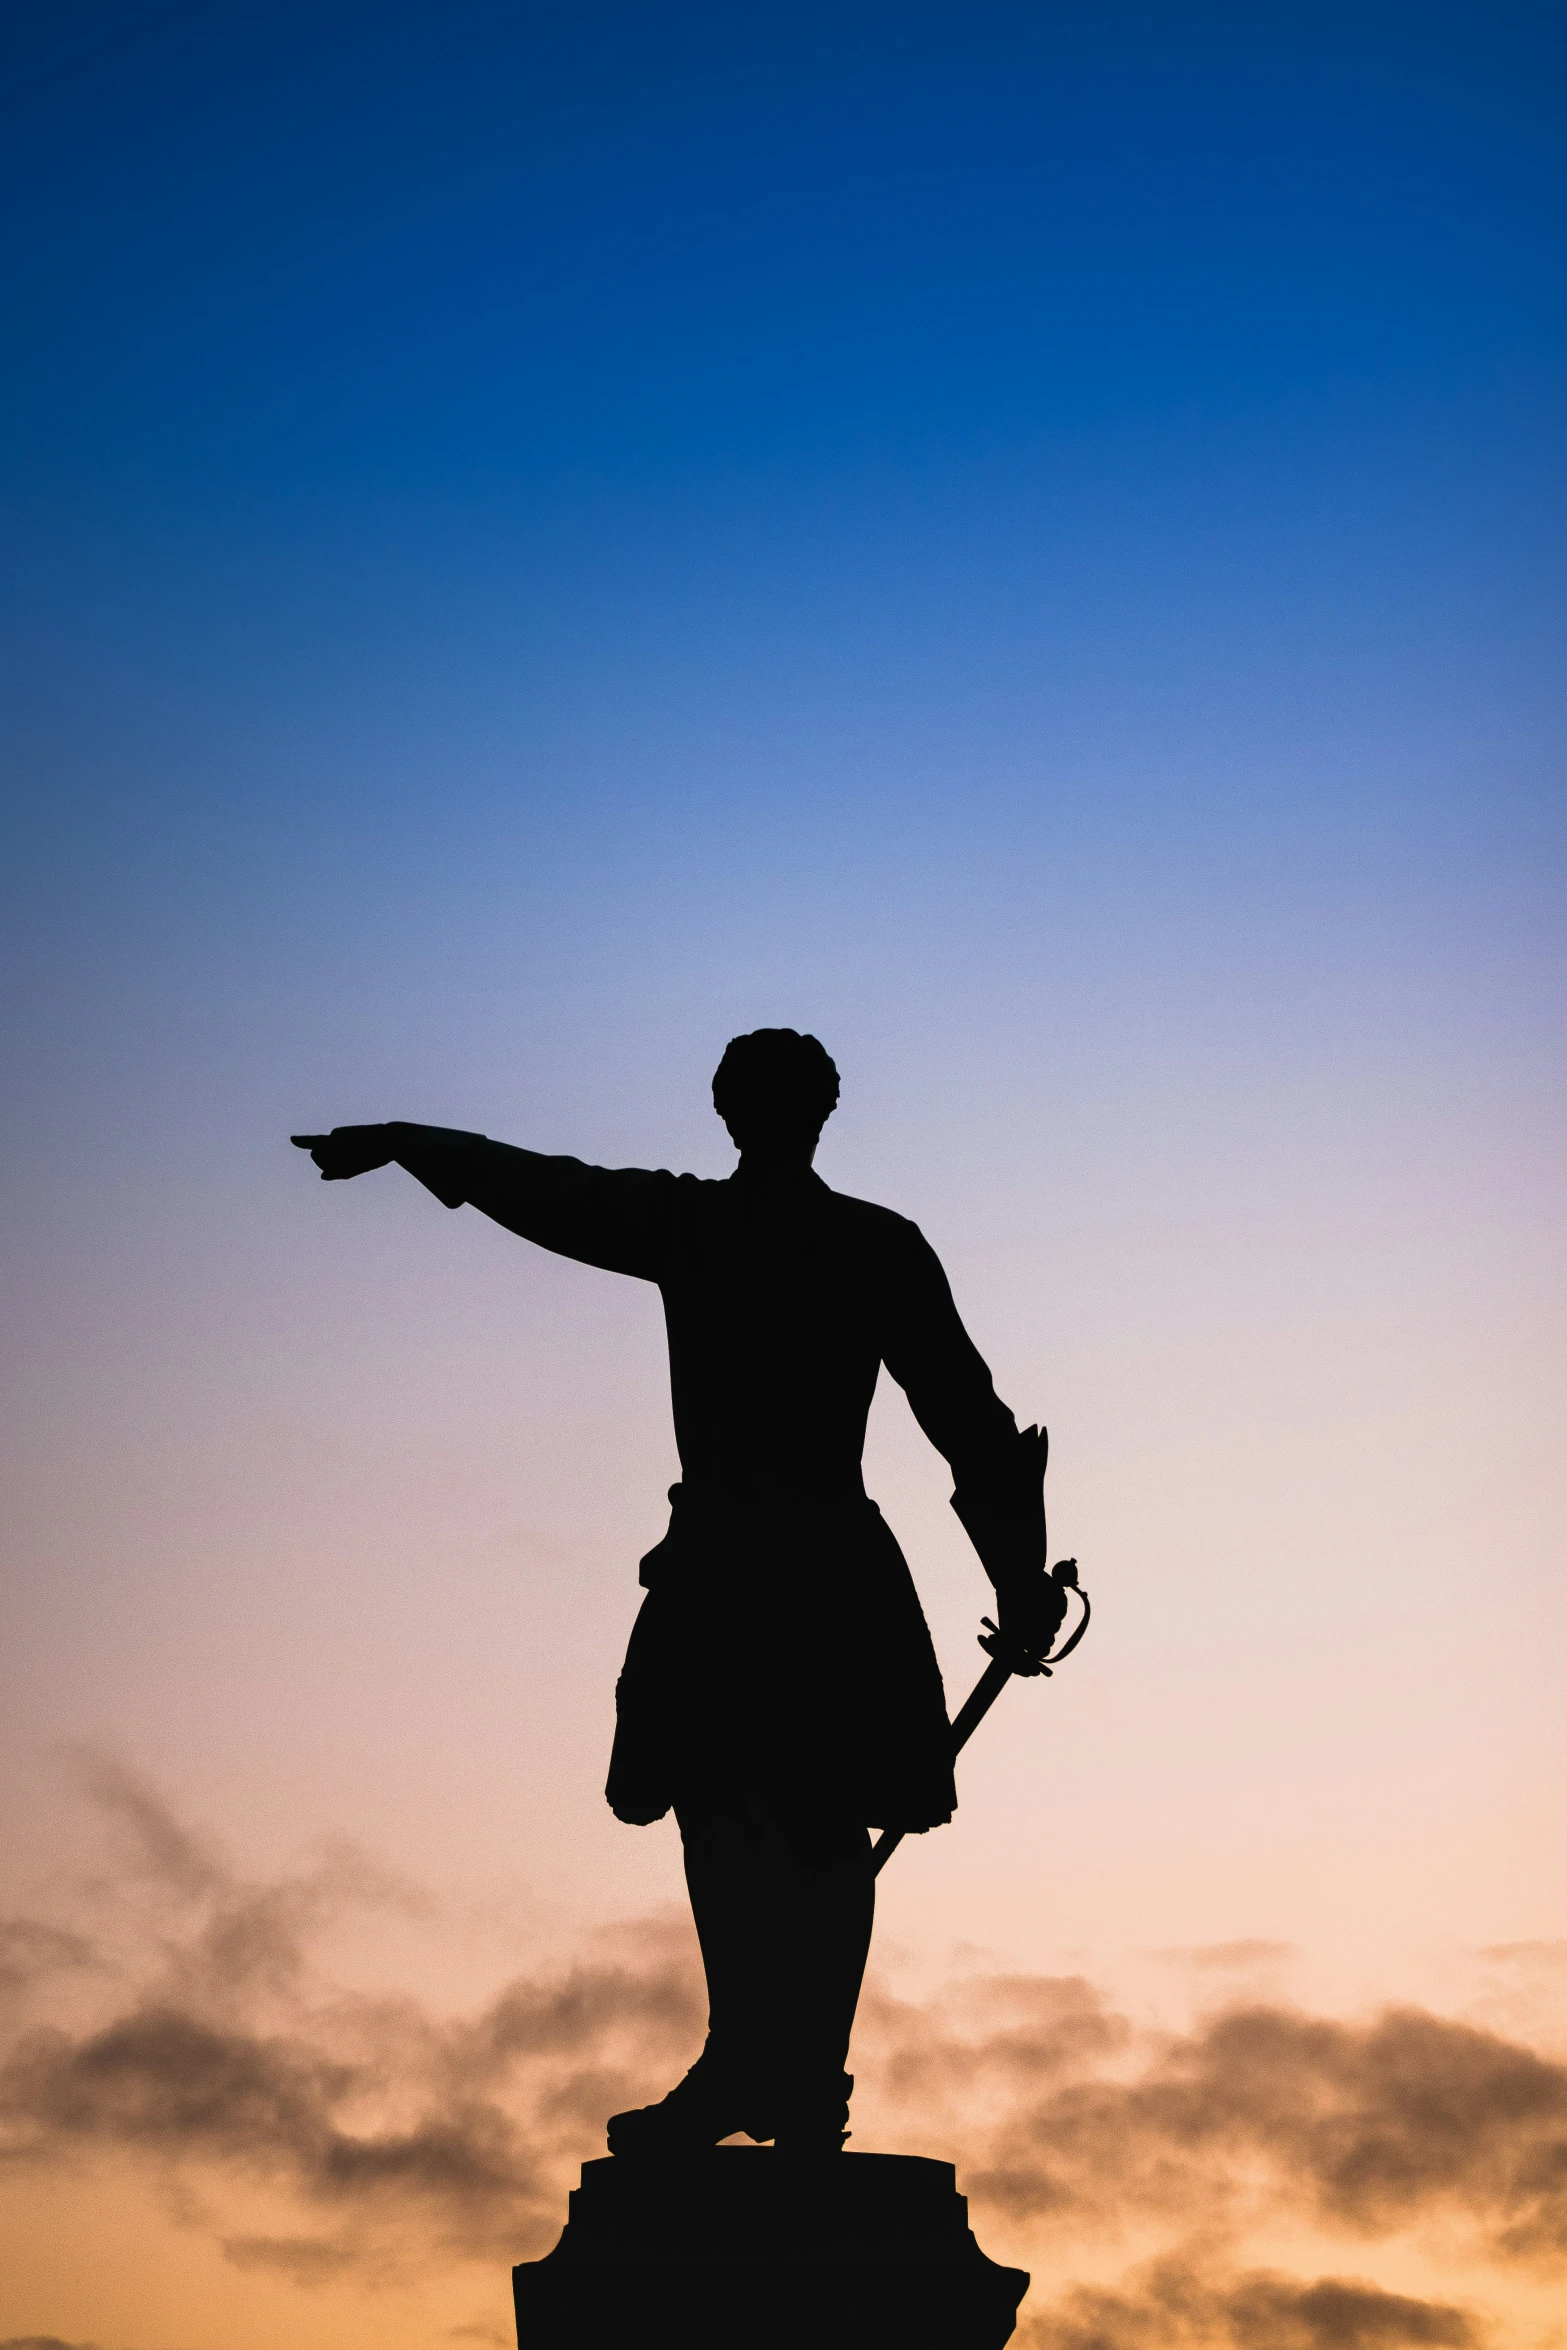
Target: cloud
(229, 2055)
(305, 2259)
(1025, 2032)
(194, 2034)
(1173, 2305)
(43, 2342)
(32, 1952)
(1364, 2129)
(154, 1843)
(1228, 1957)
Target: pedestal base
(745, 2245)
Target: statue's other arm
(997, 1473)
(616, 1218)
(940, 1369)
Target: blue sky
(1073, 397)
(351, 249)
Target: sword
(1006, 1659)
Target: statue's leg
(783, 1909)
(731, 2087)
(727, 1880)
(824, 1906)
(783, 1913)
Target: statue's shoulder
(873, 1226)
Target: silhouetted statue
(780, 1690)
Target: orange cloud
(229, 2056)
(1174, 2305)
(43, 2342)
(187, 2028)
(1362, 2128)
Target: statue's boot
(813, 2112)
(718, 2097)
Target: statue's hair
(775, 1078)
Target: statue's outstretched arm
(443, 1154)
(616, 1218)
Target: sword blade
(972, 1712)
(978, 1703)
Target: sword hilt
(1007, 1657)
(1017, 1655)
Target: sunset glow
(1026, 543)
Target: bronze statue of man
(780, 1691)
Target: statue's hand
(347, 1150)
(1031, 1611)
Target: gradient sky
(1026, 541)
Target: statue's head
(775, 1090)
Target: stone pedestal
(744, 2245)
